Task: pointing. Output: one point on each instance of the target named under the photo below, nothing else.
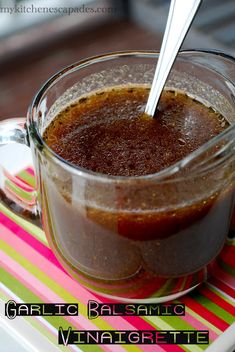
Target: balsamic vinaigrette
(121, 239)
(109, 133)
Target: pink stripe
(21, 184)
(24, 182)
(34, 257)
(127, 323)
(225, 277)
(22, 199)
(17, 181)
(44, 324)
(40, 322)
(223, 287)
(45, 294)
(32, 241)
(30, 170)
(139, 324)
(198, 325)
(39, 289)
(28, 238)
(72, 287)
(204, 312)
(66, 281)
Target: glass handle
(14, 193)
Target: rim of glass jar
(40, 144)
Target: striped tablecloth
(31, 273)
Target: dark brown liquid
(108, 132)
(128, 239)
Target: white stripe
(222, 292)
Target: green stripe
(230, 242)
(27, 296)
(37, 325)
(182, 286)
(194, 348)
(3, 296)
(228, 269)
(27, 226)
(19, 191)
(214, 308)
(45, 332)
(28, 178)
(46, 280)
(221, 294)
(169, 284)
(169, 322)
(56, 288)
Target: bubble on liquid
(140, 108)
(223, 124)
(181, 141)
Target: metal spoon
(181, 15)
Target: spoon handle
(180, 17)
